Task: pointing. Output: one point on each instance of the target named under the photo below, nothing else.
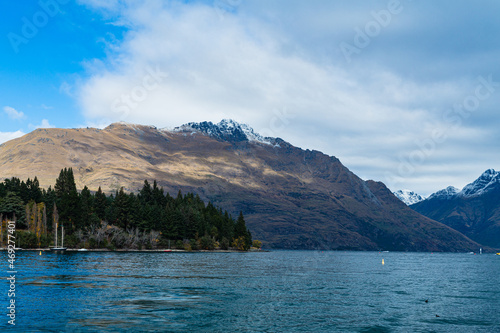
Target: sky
(404, 92)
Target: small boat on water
(59, 249)
(498, 254)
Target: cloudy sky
(403, 92)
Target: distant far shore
(136, 250)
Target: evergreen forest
(149, 219)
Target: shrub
(194, 244)
(257, 244)
(207, 243)
(26, 240)
(71, 241)
(224, 243)
(240, 243)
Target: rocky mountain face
(487, 182)
(474, 211)
(227, 130)
(292, 198)
(408, 197)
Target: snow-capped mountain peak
(408, 197)
(226, 130)
(447, 193)
(483, 184)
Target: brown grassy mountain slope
(291, 198)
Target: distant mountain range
(292, 198)
(474, 210)
(408, 197)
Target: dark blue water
(282, 291)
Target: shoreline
(136, 250)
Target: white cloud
(255, 63)
(7, 136)
(13, 113)
(228, 68)
(44, 124)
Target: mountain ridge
(446, 193)
(228, 130)
(292, 198)
(486, 182)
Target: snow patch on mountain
(226, 130)
(445, 194)
(408, 197)
(486, 182)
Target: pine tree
(100, 204)
(240, 230)
(158, 194)
(67, 199)
(85, 207)
(11, 205)
(146, 193)
(122, 206)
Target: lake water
(279, 291)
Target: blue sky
(403, 92)
(38, 64)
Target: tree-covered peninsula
(148, 219)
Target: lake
(278, 291)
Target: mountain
(487, 182)
(292, 198)
(445, 194)
(473, 211)
(408, 197)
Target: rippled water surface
(281, 291)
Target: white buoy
(383, 263)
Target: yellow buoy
(40, 252)
(383, 263)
